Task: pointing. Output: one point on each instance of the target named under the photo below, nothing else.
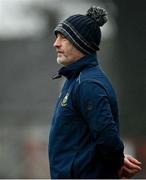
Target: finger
(131, 165)
(129, 173)
(129, 170)
(133, 160)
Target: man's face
(67, 53)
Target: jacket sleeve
(93, 104)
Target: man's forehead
(57, 33)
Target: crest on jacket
(64, 101)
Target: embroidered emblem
(64, 101)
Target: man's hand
(130, 168)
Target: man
(84, 137)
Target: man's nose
(57, 42)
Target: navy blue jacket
(84, 137)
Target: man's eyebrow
(59, 33)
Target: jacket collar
(75, 68)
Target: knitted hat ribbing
(84, 30)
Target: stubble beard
(59, 61)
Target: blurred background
(28, 60)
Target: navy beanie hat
(83, 31)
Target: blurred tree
(132, 57)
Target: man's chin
(59, 61)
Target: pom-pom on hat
(83, 31)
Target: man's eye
(59, 35)
(63, 36)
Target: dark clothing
(84, 137)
